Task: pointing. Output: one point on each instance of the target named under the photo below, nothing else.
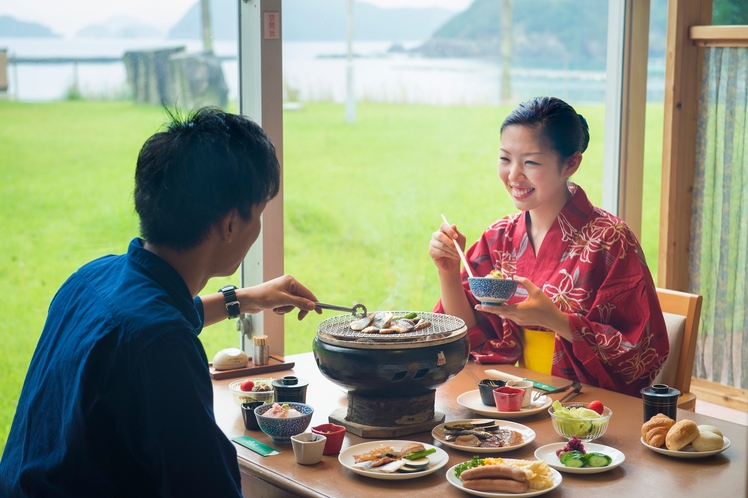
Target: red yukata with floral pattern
(591, 266)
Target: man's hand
(282, 295)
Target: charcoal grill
(390, 378)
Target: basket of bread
(683, 439)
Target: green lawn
(361, 202)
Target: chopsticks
(459, 251)
(573, 394)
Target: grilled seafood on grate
(362, 323)
(384, 322)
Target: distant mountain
(13, 28)
(322, 20)
(569, 33)
(542, 31)
(120, 27)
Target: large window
(360, 199)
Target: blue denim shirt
(118, 399)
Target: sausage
(496, 485)
(494, 472)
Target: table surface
(644, 472)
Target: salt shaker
(261, 352)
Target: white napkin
(497, 374)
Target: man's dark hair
(563, 130)
(196, 171)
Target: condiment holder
(527, 387)
(334, 434)
(308, 447)
(485, 389)
(248, 415)
(508, 399)
(290, 389)
(261, 350)
(660, 398)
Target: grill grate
(337, 330)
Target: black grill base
(375, 432)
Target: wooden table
(644, 472)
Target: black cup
(248, 415)
(486, 387)
(660, 399)
(290, 389)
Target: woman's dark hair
(563, 130)
(199, 169)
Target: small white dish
(688, 451)
(471, 400)
(456, 482)
(547, 453)
(438, 460)
(528, 436)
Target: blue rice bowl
(281, 429)
(492, 291)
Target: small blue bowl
(492, 291)
(281, 429)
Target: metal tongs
(575, 386)
(358, 310)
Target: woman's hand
(442, 249)
(536, 310)
(281, 295)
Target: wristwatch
(232, 304)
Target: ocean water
(312, 71)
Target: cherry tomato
(597, 406)
(247, 385)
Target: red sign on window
(271, 22)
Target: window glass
(650, 236)
(72, 127)
(729, 12)
(362, 199)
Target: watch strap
(232, 303)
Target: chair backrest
(682, 312)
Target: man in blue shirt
(118, 398)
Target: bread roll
(681, 434)
(709, 439)
(655, 429)
(709, 428)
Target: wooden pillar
(682, 86)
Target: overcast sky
(68, 16)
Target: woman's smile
(521, 193)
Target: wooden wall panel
(682, 85)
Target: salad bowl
(577, 420)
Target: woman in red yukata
(582, 274)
